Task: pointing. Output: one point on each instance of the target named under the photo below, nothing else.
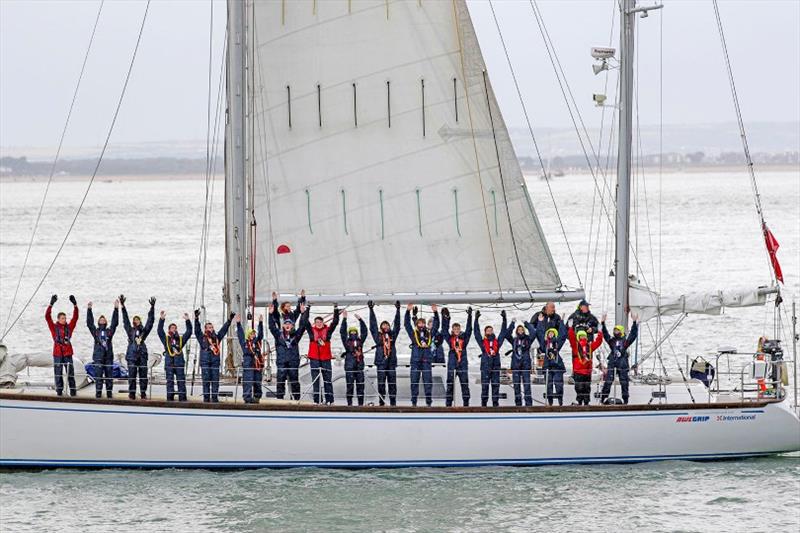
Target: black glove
(152, 301)
(196, 313)
(414, 310)
(370, 304)
(249, 315)
(397, 304)
(231, 316)
(73, 300)
(469, 310)
(445, 312)
(122, 299)
(335, 308)
(477, 314)
(503, 313)
(53, 299)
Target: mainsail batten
(382, 162)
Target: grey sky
(42, 45)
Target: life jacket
(62, 334)
(319, 346)
(386, 344)
(522, 345)
(212, 342)
(490, 346)
(174, 344)
(102, 336)
(457, 345)
(136, 337)
(582, 358)
(355, 347)
(287, 338)
(254, 347)
(422, 338)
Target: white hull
(54, 433)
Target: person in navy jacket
(456, 340)
(210, 342)
(421, 353)
(490, 345)
(136, 355)
(618, 343)
(174, 361)
(252, 360)
(287, 340)
(385, 338)
(353, 340)
(103, 353)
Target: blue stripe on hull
(59, 463)
(387, 416)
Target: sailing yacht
(367, 159)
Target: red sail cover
(772, 249)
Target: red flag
(772, 249)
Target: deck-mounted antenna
(628, 11)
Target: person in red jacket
(61, 331)
(319, 354)
(582, 362)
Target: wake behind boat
(379, 169)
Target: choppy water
(142, 238)
(749, 495)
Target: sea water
(694, 232)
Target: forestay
(649, 304)
(381, 162)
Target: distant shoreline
(694, 169)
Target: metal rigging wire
(743, 135)
(91, 180)
(53, 166)
(535, 144)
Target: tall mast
(236, 271)
(628, 12)
(622, 255)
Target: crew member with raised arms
(618, 343)
(61, 331)
(385, 338)
(490, 345)
(174, 361)
(457, 360)
(353, 340)
(320, 355)
(421, 353)
(252, 360)
(103, 353)
(210, 342)
(287, 349)
(136, 355)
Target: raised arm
(477, 328)
(273, 327)
(90, 320)
(407, 323)
(343, 331)
(151, 315)
(187, 334)
(114, 320)
(297, 310)
(240, 334)
(160, 329)
(445, 322)
(126, 323)
(436, 321)
(226, 326)
(573, 342)
(198, 329)
(334, 323)
(260, 330)
(503, 329)
(562, 335)
(373, 323)
(468, 327)
(606, 335)
(531, 330)
(396, 325)
(74, 320)
(633, 334)
(364, 332)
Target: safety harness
(174, 344)
(356, 347)
(490, 346)
(212, 342)
(422, 338)
(457, 345)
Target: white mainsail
(381, 164)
